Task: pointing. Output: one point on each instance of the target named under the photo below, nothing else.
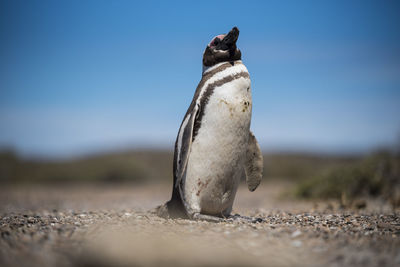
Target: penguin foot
(247, 219)
(203, 217)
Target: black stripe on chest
(208, 76)
(206, 96)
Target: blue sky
(83, 76)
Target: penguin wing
(253, 165)
(183, 144)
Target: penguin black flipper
(183, 144)
(253, 165)
(176, 206)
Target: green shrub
(376, 175)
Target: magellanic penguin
(215, 147)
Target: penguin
(214, 147)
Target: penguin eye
(216, 42)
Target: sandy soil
(112, 226)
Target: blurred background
(93, 92)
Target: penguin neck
(207, 69)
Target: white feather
(218, 152)
(237, 68)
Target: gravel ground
(111, 226)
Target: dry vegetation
(344, 178)
(377, 176)
(131, 166)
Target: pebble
(297, 243)
(296, 234)
(379, 231)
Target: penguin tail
(176, 209)
(173, 209)
(161, 211)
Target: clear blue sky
(81, 76)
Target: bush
(376, 175)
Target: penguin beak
(226, 42)
(231, 38)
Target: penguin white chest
(215, 164)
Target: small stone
(360, 204)
(296, 234)
(384, 225)
(297, 243)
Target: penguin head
(222, 48)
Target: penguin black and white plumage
(215, 147)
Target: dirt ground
(112, 226)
